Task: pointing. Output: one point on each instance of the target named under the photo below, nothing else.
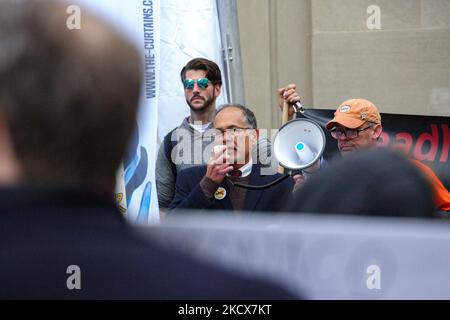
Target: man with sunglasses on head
(357, 126)
(213, 186)
(188, 144)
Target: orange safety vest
(441, 194)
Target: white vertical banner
(139, 21)
(189, 29)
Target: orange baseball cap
(354, 113)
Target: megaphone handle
(296, 172)
(284, 119)
(280, 169)
(285, 115)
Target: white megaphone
(298, 144)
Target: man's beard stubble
(206, 105)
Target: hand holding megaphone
(289, 95)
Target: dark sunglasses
(202, 83)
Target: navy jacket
(43, 232)
(189, 195)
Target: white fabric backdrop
(189, 29)
(138, 21)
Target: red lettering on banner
(384, 140)
(446, 143)
(406, 145)
(433, 139)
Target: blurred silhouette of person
(68, 103)
(374, 182)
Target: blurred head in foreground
(375, 182)
(68, 102)
(68, 98)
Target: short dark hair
(249, 116)
(69, 100)
(212, 70)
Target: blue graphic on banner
(144, 208)
(135, 172)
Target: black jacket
(43, 232)
(189, 195)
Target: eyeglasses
(231, 132)
(202, 83)
(337, 133)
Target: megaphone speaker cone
(299, 144)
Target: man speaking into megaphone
(213, 186)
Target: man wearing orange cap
(357, 125)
